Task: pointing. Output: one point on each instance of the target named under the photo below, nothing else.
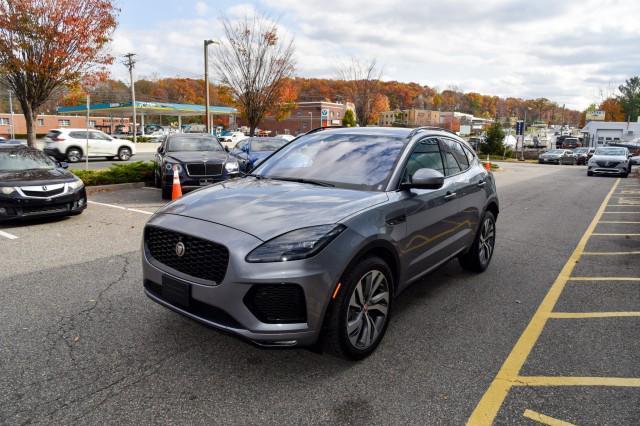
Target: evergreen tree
(349, 119)
(495, 138)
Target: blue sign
(520, 128)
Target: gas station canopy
(148, 108)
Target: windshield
(341, 159)
(183, 143)
(555, 151)
(267, 144)
(611, 151)
(25, 159)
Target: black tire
(336, 338)
(624, 175)
(589, 173)
(124, 154)
(476, 259)
(74, 154)
(166, 192)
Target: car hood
(267, 208)
(609, 158)
(197, 156)
(35, 177)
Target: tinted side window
(470, 157)
(78, 135)
(455, 160)
(425, 155)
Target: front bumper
(549, 160)
(223, 305)
(188, 183)
(620, 170)
(16, 207)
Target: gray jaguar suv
(312, 247)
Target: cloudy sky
(571, 52)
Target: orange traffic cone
(176, 190)
(487, 165)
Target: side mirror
(245, 148)
(425, 179)
(159, 150)
(226, 148)
(64, 164)
(257, 162)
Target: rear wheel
(74, 155)
(357, 318)
(479, 256)
(124, 154)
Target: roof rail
(319, 129)
(418, 129)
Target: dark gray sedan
(314, 246)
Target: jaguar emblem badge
(180, 249)
(44, 188)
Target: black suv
(198, 159)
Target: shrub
(349, 119)
(140, 171)
(495, 136)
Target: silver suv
(314, 245)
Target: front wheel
(479, 256)
(357, 318)
(74, 155)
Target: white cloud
(201, 8)
(566, 51)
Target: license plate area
(176, 292)
(204, 182)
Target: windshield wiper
(301, 180)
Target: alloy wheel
(368, 309)
(487, 240)
(74, 156)
(124, 154)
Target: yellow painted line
(625, 205)
(615, 235)
(604, 279)
(620, 212)
(609, 253)
(545, 420)
(578, 315)
(489, 405)
(577, 381)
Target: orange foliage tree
(48, 44)
(613, 110)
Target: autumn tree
(630, 98)
(49, 44)
(254, 62)
(362, 84)
(612, 110)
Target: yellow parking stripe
(620, 212)
(545, 420)
(617, 221)
(577, 315)
(488, 407)
(576, 381)
(604, 279)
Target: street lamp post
(206, 81)
(524, 133)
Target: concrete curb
(115, 187)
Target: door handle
(450, 196)
(482, 183)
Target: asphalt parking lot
(548, 333)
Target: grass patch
(139, 171)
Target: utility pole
(206, 82)
(86, 149)
(13, 132)
(130, 62)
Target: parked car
(558, 156)
(199, 159)
(252, 150)
(583, 154)
(610, 160)
(322, 236)
(32, 184)
(13, 141)
(288, 138)
(231, 139)
(70, 145)
(567, 142)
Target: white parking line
(8, 235)
(120, 207)
(151, 188)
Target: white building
(602, 132)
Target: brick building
(44, 123)
(306, 116)
(410, 118)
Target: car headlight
(76, 184)
(295, 245)
(232, 167)
(169, 166)
(6, 190)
